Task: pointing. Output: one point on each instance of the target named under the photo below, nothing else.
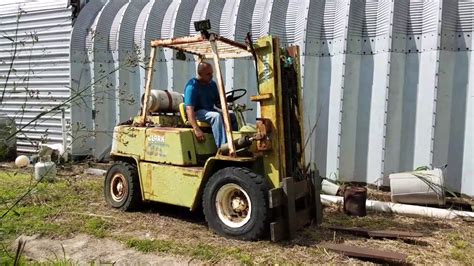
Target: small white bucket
(418, 187)
(329, 188)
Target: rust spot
(264, 128)
(367, 253)
(354, 201)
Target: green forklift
(257, 185)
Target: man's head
(204, 72)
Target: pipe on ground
(402, 208)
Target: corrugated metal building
(34, 69)
(387, 83)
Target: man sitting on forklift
(200, 97)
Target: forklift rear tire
(122, 186)
(235, 203)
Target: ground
(68, 222)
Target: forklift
(256, 185)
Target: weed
(204, 252)
(142, 245)
(237, 253)
(461, 249)
(200, 251)
(96, 227)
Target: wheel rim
(233, 205)
(118, 187)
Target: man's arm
(192, 120)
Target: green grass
(201, 251)
(150, 245)
(97, 227)
(461, 249)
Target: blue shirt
(201, 96)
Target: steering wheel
(231, 95)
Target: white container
(418, 187)
(45, 170)
(329, 188)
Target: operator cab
(166, 112)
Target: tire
(122, 186)
(235, 203)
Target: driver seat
(184, 118)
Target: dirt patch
(85, 249)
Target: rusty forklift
(255, 186)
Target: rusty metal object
(376, 233)
(261, 97)
(295, 216)
(264, 129)
(240, 143)
(223, 100)
(354, 201)
(199, 45)
(118, 187)
(148, 86)
(367, 253)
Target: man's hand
(199, 134)
(192, 120)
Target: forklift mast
(281, 109)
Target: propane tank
(45, 169)
(163, 101)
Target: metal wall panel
(387, 84)
(81, 80)
(453, 141)
(104, 86)
(126, 59)
(34, 70)
(155, 26)
(365, 91)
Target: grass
(201, 251)
(150, 245)
(461, 249)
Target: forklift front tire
(235, 203)
(122, 187)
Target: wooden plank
(289, 189)
(376, 233)
(367, 253)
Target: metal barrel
(354, 201)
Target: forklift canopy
(200, 45)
